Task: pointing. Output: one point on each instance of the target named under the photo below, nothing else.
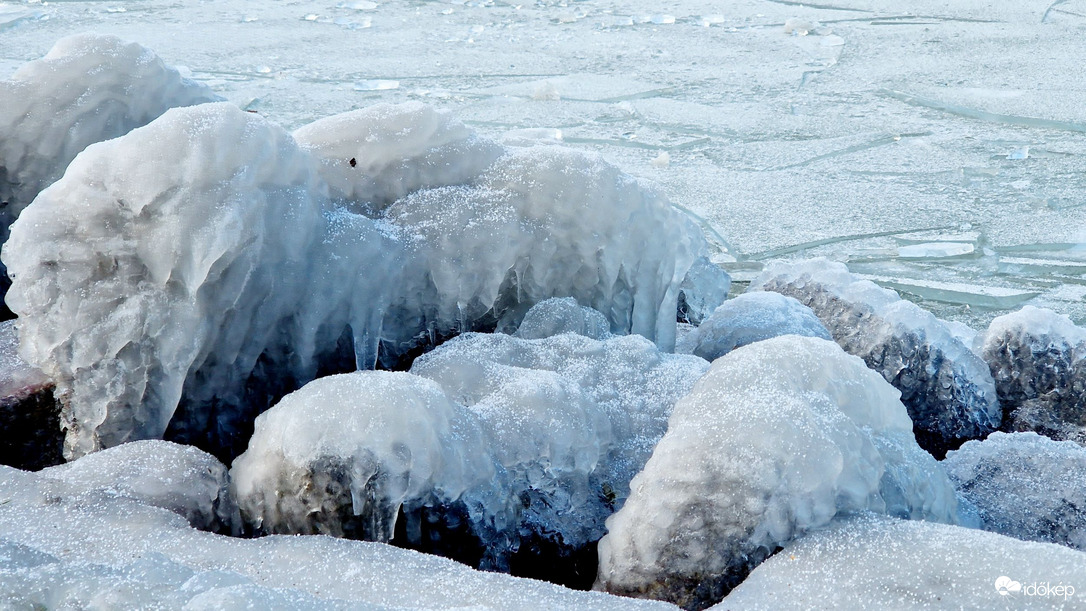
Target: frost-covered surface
(191, 483)
(1038, 360)
(753, 317)
(776, 440)
(63, 550)
(30, 434)
(179, 278)
(946, 387)
(875, 562)
(346, 455)
(1024, 485)
(562, 315)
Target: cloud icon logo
(1005, 585)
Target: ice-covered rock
(775, 441)
(1038, 360)
(378, 456)
(541, 222)
(946, 387)
(562, 315)
(1024, 486)
(753, 317)
(703, 289)
(179, 279)
(191, 483)
(376, 155)
(30, 433)
(875, 562)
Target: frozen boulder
(875, 562)
(378, 456)
(191, 483)
(562, 315)
(179, 279)
(779, 438)
(753, 317)
(30, 433)
(1024, 486)
(946, 387)
(1038, 360)
(376, 155)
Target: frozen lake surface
(939, 148)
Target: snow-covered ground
(936, 146)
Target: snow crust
(753, 317)
(947, 388)
(876, 562)
(777, 439)
(562, 315)
(1038, 360)
(1024, 485)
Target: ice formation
(1024, 486)
(562, 315)
(60, 549)
(775, 441)
(352, 454)
(946, 387)
(30, 435)
(179, 278)
(703, 289)
(875, 562)
(87, 89)
(1038, 360)
(753, 317)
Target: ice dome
(946, 387)
(776, 440)
(559, 315)
(753, 317)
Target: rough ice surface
(775, 441)
(60, 549)
(1024, 485)
(753, 317)
(704, 288)
(541, 222)
(30, 434)
(1038, 360)
(376, 155)
(349, 455)
(182, 479)
(169, 295)
(947, 388)
(876, 562)
(559, 315)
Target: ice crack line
(982, 115)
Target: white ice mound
(946, 387)
(1038, 360)
(559, 315)
(753, 317)
(1024, 486)
(542, 222)
(381, 153)
(180, 278)
(875, 562)
(87, 89)
(182, 479)
(776, 440)
(347, 454)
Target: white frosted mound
(753, 317)
(559, 315)
(946, 387)
(775, 441)
(875, 562)
(396, 149)
(87, 89)
(542, 222)
(1038, 360)
(1024, 486)
(180, 278)
(348, 455)
(61, 551)
(703, 289)
(182, 479)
